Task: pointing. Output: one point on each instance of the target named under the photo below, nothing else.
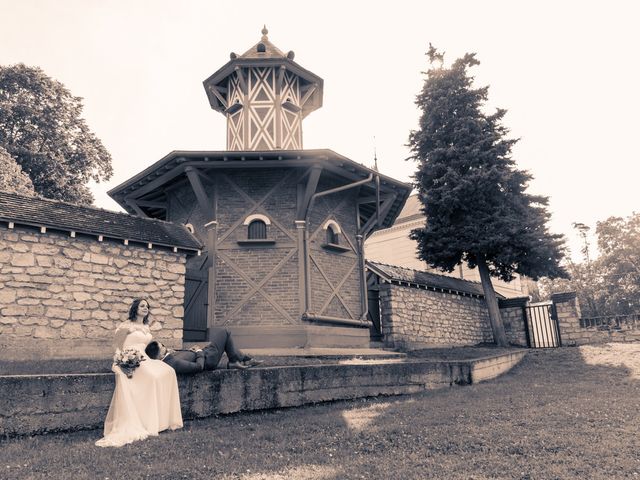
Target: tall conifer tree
(472, 193)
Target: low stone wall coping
(48, 403)
(563, 297)
(513, 302)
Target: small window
(332, 236)
(257, 230)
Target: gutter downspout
(308, 315)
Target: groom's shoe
(252, 362)
(237, 366)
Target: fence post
(567, 310)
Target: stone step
(49, 403)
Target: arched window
(332, 235)
(257, 230)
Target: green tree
(42, 129)
(619, 263)
(473, 196)
(12, 178)
(610, 284)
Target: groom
(197, 359)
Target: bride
(148, 402)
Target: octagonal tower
(265, 95)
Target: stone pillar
(386, 315)
(567, 311)
(514, 319)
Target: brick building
(283, 227)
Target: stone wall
(415, 317)
(63, 296)
(572, 333)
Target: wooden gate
(195, 305)
(542, 326)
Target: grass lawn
(563, 413)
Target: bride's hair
(133, 310)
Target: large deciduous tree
(12, 178)
(609, 284)
(474, 197)
(42, 129)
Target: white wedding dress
(145, 404)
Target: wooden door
(195, 305)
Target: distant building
(392, 246)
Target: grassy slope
(553, 416)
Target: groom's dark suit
(188, 361)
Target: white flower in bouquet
(128, 360)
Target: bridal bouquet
(128, 360)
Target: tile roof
(269, 51)
(411, 209)
(41, 212)
(426, 279)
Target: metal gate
(542, 326)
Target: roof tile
(66, 216)
(428, 279)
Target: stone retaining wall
(49, 403)
(63, 296)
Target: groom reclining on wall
(207, 358)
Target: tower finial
(375, 155)
(264, 33)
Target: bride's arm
(121, 333)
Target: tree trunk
(492, 303)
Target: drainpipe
(336, 190)
(308, 315)
(364, 301)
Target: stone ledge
(37, 404)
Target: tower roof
(265, 49)
(263, 54)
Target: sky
(566, 71)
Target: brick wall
(331, 268)
(414, 317)
(62, 297)
(259, 284)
